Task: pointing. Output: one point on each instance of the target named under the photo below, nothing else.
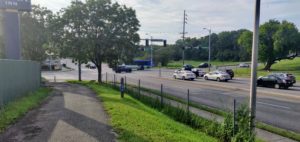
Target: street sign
(20, 5)
(24, 5)
(8, 4)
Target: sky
(163, 19)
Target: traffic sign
(20, 5)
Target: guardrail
(18, 78)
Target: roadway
(280, 108)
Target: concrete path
(71, 114)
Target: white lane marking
(279, 106)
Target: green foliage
(13, 111)
(278, 41)
(243, 131)
(162, 55)
(35, 33)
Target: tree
(74, 22)
(112, 33)
(245, 43)
(35, 33)
(278, 41)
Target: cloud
(164, 18)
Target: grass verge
(269, 128)
(137, 122)
(15, 110)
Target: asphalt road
(280, 108)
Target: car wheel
(206, 78)
(226, 80)
(218, 79)
(192, 79)
(286, 87)
(175, 77)
(183, 78)
(277, 86)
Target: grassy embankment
(15, 110)
(137, 122)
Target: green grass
(288, 66)
(279, 131)
(15, 110)
(136, 122)
(178, 64)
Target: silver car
(218, 76)
(184, 75)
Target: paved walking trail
(71, 114)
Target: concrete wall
(18, 78)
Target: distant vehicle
(218, 76)
(274, 81)
(287, 76)
(184, 75)
(229, 71)
(93, 67)
(142, 63)
(87, 65)
(204, 65)
(188, 67)
(54, 64)
(244, 65)
(121, 68)
(198, 72)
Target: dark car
(229, 71)
(120, 69)
(204, 65)
(188, 67)
(287, 76)
(93, 67)
(274, 82)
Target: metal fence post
(125, 82)
(122, 87)
(139, 87)
(159, 71)
(188, 100)
(114, 80)
(161, 95)
(106, 77)
(234, 117)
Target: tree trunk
(79, 71)
(268, 66)
(99, 68)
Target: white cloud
(163, 18)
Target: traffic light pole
(254, 67)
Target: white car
(218, 76)
(184, 75)
(244, 65)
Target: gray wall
(18, 78)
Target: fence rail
(17, 78)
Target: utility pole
(209, 48)
(183, 35)
(254, 67)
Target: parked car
(229, 71)
(198, 72)
(244, 65)
(184, 75)
(204, 65)
(218, 76)
(121, 68)
(274, 81)
(188, 67)
(287, 76)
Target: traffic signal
(165, 43)
(147, 42)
